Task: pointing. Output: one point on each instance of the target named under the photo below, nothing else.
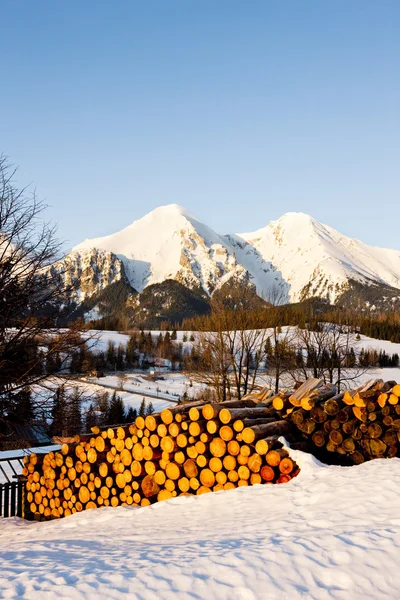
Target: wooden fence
(11, 499)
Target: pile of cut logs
(352, 426)
(189, 449)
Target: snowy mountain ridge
(295, 257)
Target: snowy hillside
(331, 533)
(307, 253)
(295, 254)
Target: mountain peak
(296, 252)
(168, 210)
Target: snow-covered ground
(103, 337)
(331, 533)
(179, 383)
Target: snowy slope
(305, 251)
(331, 533)
(296, 255)
(169, 243)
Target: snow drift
(332, 532)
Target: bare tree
(229, 357)
(30, 295)
(122, 380)
(331, 352)
(280, 341)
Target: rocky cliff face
(88, 273)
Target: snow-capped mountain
(316, 260)
(295, 257)
(169, 243)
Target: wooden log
(269, 429)
(207, 478)
(233, 448)
(267, 473)
(201, 461)
(226, 433)
(254, 463)
(172, 471)
(212, 426)
(190, 468)
(274, 457)
(229, 462)
(262, 446)
(166, 417)
(319, 439)
(218, 447)
(304, 390)
(233, 476)
(215, 464)
(259, 412)
(286, 466)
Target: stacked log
(190, 449)
(354, 426)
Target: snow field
(332, 532)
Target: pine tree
(131, 351)
(174, 335)
(142, 342)
(59, 412)
(142, 409)
(91, 418)
(103, 407)
(21, 406)
(120, 358)
(131, 415)
(149, 344)
(116, 413)
(111, 355)
(150, 409)
(74, 413)
(75, 364)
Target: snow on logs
(189, 449)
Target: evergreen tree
(87, 360)
(91, 418)
(74, 413)
(150, 409)
(100, 362)
(142, 409)
(75, 364)
(51, 365)
(174, 335)
(111, 355)
(120, 358)
(103, 407)
(142, 342)
(59, 412)
(149, 344)
(131, 351)
(184, 339)
(131, 415)
(160, 341)
(116, 413)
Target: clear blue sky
(240, 111)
